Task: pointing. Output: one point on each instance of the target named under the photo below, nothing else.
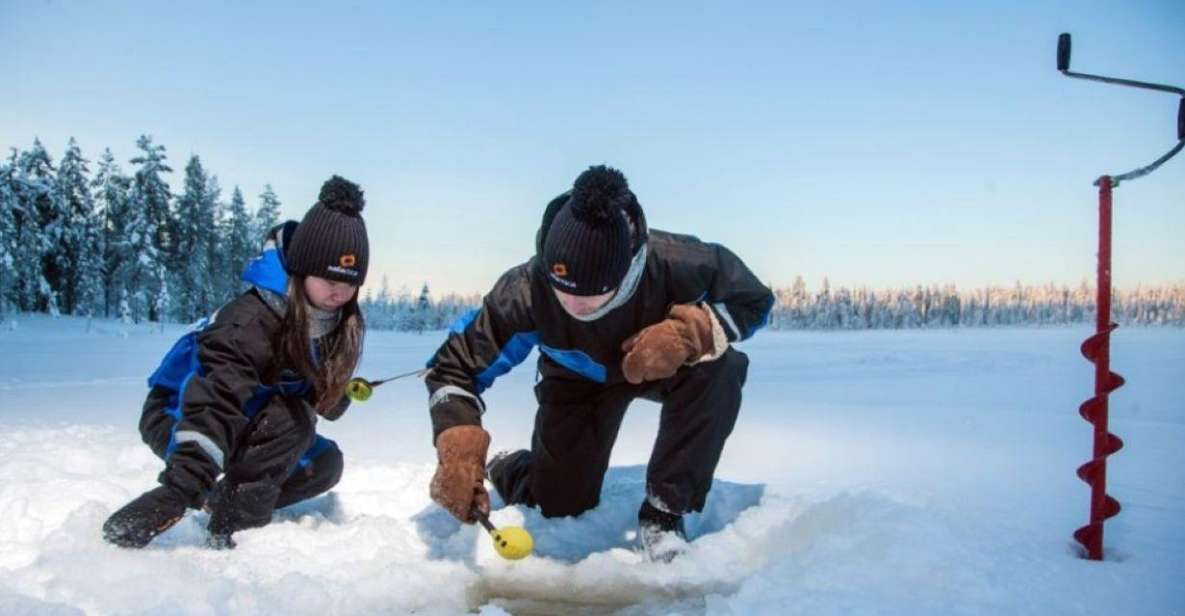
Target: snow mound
(376, 543)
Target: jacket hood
(267, 270)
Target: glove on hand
(659, 350)
(458, 484)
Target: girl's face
(580, 305)
(328, 295)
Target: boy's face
(582, 305)
(326, 294)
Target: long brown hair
(338, 358)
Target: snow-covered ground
(875, 472)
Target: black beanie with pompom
(331, 241)
(587, 250)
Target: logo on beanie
(352, 273)
(557, 273)
(345, 266)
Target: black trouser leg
(575, 428)
(699, 409)
(156, 425)
(318, 470)
(511, 475)
(577, 424)
(262, 462)
(188, 468)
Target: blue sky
(876, 143)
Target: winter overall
(209, 413)
(577, 424)
(583, 393)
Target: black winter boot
(660, 534)
(150, 514)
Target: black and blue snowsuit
(236, 429)
(582, 393)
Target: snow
(887, 472)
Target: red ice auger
(1097, 348)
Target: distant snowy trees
(796, 307)
(94, 240)
(400, 311)
(842, 308)
(946, 306)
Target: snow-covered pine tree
(151, 196)
(799, 303)
(1084, 299)
(904, 311)
(824, 316)
(861, 309)
(8, 234)
(239, 246)
(403, 310)
(214, 247)
(40, 223)
(91, 291)
(79, 242)
(268, 214)
(110, 190)
(194, 287)
(125, 307)
(378, 313)
(221, 286)
(843, 309)
(164, 299)
(423, 309)
(990, 307)
(138, 274)
(154, 193)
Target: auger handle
(1181, 119)
(1063, 51)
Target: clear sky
(879, 143)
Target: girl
(232, 409)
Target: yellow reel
(511, 542)
(359, 390)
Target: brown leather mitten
(659, 350)
(458, 484)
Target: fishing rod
(360, 389)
